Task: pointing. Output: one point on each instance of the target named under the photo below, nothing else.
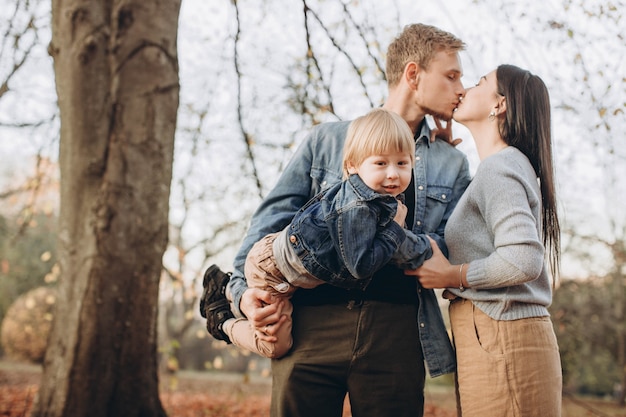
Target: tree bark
(116, 71)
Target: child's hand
(401, 213)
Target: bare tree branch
(312, 59)
(244, 133)
(16, 49)
(348, 57)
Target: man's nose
(460, 89)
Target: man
(370, 344)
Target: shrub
(26, 325)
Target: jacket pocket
(439, 193)
(437, 203)
(322, 179)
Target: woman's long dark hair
(527, 127)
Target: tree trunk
(116, 70)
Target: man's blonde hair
(418, 43)
(378, 132)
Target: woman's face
(478, 101)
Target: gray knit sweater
(496, 229)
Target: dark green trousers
(370, 352)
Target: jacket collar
(364, 192)
(423, 133)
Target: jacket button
(292, 239)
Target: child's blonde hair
(378, 132)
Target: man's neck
(401, 104)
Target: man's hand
(263, 311)
(443, 133)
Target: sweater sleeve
(508, 197)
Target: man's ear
(411, 74)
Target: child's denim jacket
(346, 233)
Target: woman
(508, 362)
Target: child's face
(386, 174)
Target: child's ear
(350, 168)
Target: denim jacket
(441, 174)
(346, 233)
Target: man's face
(439, 87)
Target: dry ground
(194, 394)
(189, 394)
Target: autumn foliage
(188, 395)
